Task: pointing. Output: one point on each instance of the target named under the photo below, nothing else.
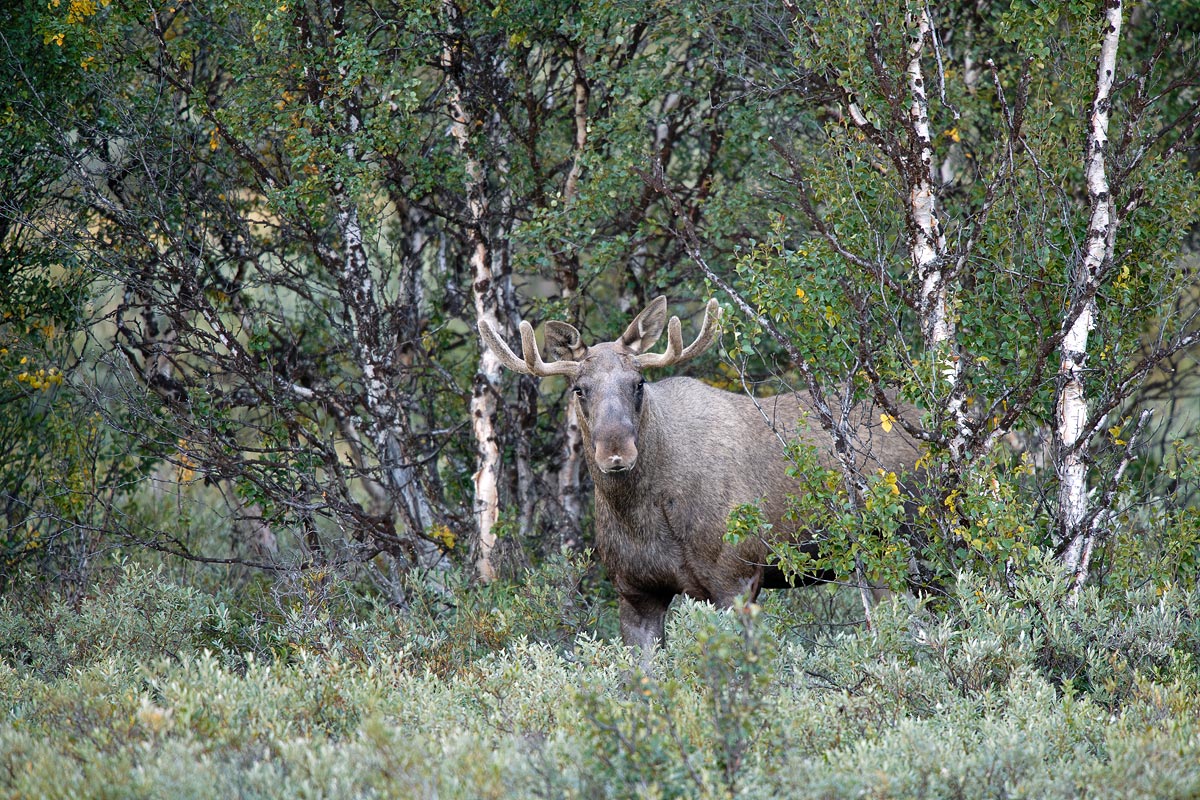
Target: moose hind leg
(643, 622)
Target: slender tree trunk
(486, 290)
(570, 472)
(374, 348)
(1071, 417)
(580, 109)
(376, 357)
(927, 242)
(485, 392)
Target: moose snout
(613, 420)
(619, 456)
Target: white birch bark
(580, 109)
(377, 358)
(926, 239)
(570, 490)
(486, 390)
(376, 361)
(483, 408)
(1072, 410)
(927, 242)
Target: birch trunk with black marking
(486, 288)
(373, 338)
(1071, 417)
(927, 242)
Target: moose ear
(563, 342)
(645, 329)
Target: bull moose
(671, 459)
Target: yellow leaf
(886, 420)
(444, 536)
(1115, 433)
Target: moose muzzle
(616, 448)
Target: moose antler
(676, 352)
(532, 363)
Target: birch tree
(1071, 445)
(271, 336)
(974, 343)
(490, 288)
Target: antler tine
(529, 349)
(708, 330)
(668, 356)
(674, 341)
(530, 362)
(498, 346)
(533, 358)
(676, 353)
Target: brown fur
(669, 469)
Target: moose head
(607, 378)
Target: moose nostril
(616, 462)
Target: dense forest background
(268, 506)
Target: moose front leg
(643, 622)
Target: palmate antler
(531, 363)
(676, 353)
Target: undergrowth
(152, 689)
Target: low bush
(505, 692)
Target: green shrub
(139, 616)
(154, 690)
